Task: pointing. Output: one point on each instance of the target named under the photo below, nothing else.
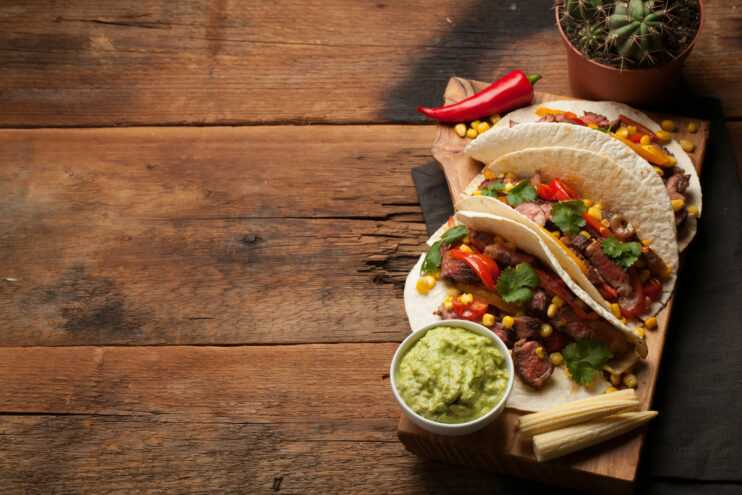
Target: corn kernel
(557, 301)
(556, 358)
(687, 146)
(693, 211)
(507, 321)
(610, 390)
(475, 123)
(616, 379)
(646, 242)
(464, 248)
(659, 171)
(585, 234)
(494, 119)
(483, 127)
(630, 380)
(595, 212)
(540, 352)
(546, 330)
(448, 303)
(588, 202)
(424, 284)
(639, 332)
(488, 319)
(477, 193)
(489, 174)
(645, 139)
(663, 137)
(509, 186)
(644, 275)
(622, 133)
(616, 310)
(677, 204)
(551, 311)
(466, 298)
(651, 323)
(692, 127)
(460, 129)
(471, 133)
(668, 125)
(631, 129)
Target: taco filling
(643, 141)
(524, 302)
(605, 246)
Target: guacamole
(452, 375)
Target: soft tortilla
(498, 141)
(596, 177)
(419, 309)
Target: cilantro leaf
(454, 234)
(567, 215)
(432, 261)
(515, 284)
(624, 254)
(522, 192)
(493, 188)
(585, 358)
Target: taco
(498, 272)
(611, 129)
(613, 238)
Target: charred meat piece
(599, 330)
(677, 184)
(527, 327)
(454, 270)
(611, 272)
(531, 368)
(537, 212)
(504, 334)
(681, 216)
(580, 243)
(539, 302)
(480, 240)
(596, 118)
(501, 254)
(555, 342)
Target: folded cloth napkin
(698, 434)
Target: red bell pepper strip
(514, 90)
(546, 191)
(472, 312)
(556, 286)
(485, 267)
(556, 190)
(640, 128)
(637, 304)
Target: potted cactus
(631, 50)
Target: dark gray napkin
(698, 434)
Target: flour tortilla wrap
(502, 139)
(559, 389)
(596, 177)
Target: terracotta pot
(646, 87)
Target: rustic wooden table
(207, 216)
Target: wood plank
(198, 62)
(206, 419)
(207, 235)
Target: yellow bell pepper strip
(650, 152)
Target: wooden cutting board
(607, 468)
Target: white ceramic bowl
(448, 428)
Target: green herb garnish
(516, 285)
(493, 189)
(585, 358)
(624, 254)
(522, 192)
(454, 234)
(567, 215)
(432, 261)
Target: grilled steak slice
(504, 334)
(596, 118)
(454, 270)
(599, 330)
(501, 254)
(480, 240)
(533, 370)
(580, 243)
(555, 342)
(527, 327)
(537, 212)
(539, 302)
(611, 272)
(677, 184)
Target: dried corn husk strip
(577, 412)
(557, 443)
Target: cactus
(631, 33)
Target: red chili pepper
(596, 225)
(556, 286)
(640, 128)
(637, 304)
(563, 191)
(653, 289)
(511, 91)
(471, 312)
(574, 118)
(546, 191)
(485, 267)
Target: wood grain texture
(94, 63)
(207, 235)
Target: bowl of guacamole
(452, 377)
